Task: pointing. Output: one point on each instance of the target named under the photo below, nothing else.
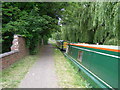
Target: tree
(91, 22)
(35, 21)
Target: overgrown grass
(68, 76)
(12, 76)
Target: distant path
(42, 74)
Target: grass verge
(12, 76)
(67, 74)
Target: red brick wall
(18, 51)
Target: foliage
(91, 22)
(88, 22)
(36, 21)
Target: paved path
(42, 73)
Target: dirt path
(42, 73)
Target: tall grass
(68, 76)
(12, 76)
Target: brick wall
(18, 51)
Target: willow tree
(91, 22)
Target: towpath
(42, 73)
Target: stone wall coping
(8, 53)
(18, 35)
